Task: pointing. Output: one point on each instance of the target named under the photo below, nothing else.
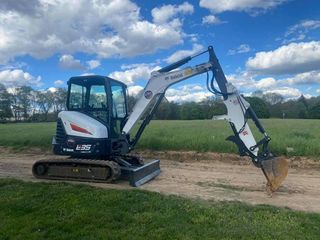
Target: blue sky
(272, 46)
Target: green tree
(272, 98)
(5, 103)
(174, 111)
(24, 99)
(131, 100)
(167, 110)
(303, 112)
(289, 109)
(45, 101)
(219, 108)
(190, 111)
(314, 111)
(59, 99)
(259, 106)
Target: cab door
(119, 107)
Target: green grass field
(65, 211)
(289, 137)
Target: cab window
(118, 100)
(98, 103)
(77, 97)
(98, 97)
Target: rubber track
(115, 168)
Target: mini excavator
(96, 129)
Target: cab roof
(91, 80)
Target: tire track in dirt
(217, 177)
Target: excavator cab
(102, 98)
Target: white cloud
(134, 90)
(92, 64)
(211, 19)
(87, 74)
(69, 62)
(187, 93)
(298, 38)
(192, 87)
(304, 78)
(247, 83)
(133, 73)
(308, 96)
(303, 27)
(266, 83)
(22, 6)
(318, 90)
(103, 28)
(299, 31)
(286, 92)
(167, 12)
(52, 89)
(58, 82)
(184, 53)
(243, 48)
(218, 6)
(17, 77)
(140, 38)
(288, 59)
(14, 65)
(193, 37)
(242, 80)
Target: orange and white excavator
(96, 129)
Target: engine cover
(82, 125)
(80, 135)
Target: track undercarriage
(126, 167)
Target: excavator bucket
(275, 170)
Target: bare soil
(208, 176)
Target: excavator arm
(238, 112)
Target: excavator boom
(238, 112)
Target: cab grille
(60, 132)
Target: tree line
(27, 104)
(270, 105)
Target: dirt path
(222, 177)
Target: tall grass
(289, 137)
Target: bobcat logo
(148, 94)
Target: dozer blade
(275, 170)
(141, 174)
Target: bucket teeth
(275, 170)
